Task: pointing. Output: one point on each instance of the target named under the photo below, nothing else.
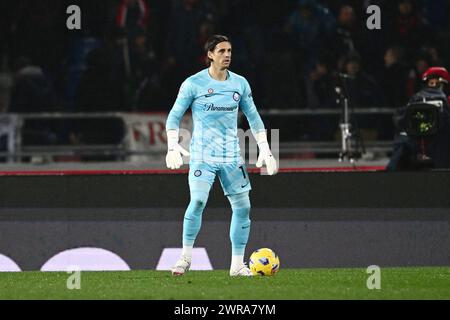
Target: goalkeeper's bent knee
(241, 200)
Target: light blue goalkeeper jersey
(215, 105)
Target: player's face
(433, 83)
(221, 55)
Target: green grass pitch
(340, 283)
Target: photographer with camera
(424, 126)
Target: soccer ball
(264, 262)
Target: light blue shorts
(233, 176)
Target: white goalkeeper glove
(174, 158)
(265, 155)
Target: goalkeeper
(215, 94)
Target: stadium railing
(361, 118)
(21, 140)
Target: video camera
(422, 119)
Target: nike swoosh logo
(245, 227)
(245, 185)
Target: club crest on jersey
(210, 90)
(236, 96)
(197, 173)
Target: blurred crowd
(132, 55)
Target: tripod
(349, 145)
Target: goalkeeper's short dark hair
(212, 42)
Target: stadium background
(83, 151)
(131, 56)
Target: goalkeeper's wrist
(261, 140)
(264, 148)
(172, 139)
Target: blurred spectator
(183, 37)
(141, 57)
(421, 63)
(206, 30)
(97, 29)
(363, 90)
(307, 24)
(131, 21)
(345, 27)
(183, 49)
(132, 16)
(320, 86)
(32, 91)
(145, 81)
(435, 13)
(342, 42)
(283, 87)
(97, 91)
(373, 43)
(6, 82)
(435, 55)
(407, 28)
(34, 29)
(393, 78)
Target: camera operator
(424, 143)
